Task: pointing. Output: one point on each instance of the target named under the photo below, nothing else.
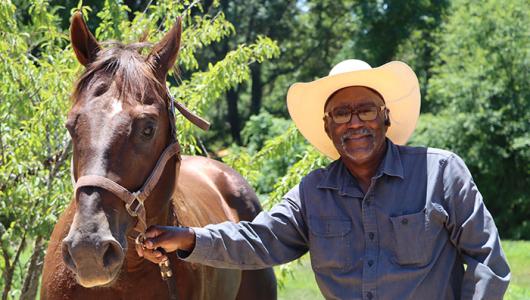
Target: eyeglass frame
(356, 112)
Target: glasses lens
(341, 115)
(368, 113)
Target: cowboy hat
(395, 81)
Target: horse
(123, 137)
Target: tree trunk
(257, 89)
(10, 266)
(31, 282)
(232, 96)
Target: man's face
(357, 141)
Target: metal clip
(165, 269)
(140, 240)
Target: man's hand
(168, 238)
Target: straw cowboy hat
(395, 81)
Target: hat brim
(395, 81)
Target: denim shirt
(408, 237)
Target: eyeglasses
(341, 115)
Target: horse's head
(119, 124)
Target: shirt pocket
(410, 233)
(330, 243)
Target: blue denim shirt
(408, 237)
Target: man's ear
(165, 52)
(85, 45)
(326, 128)
(387, 117)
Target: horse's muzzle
(95, 263)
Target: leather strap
(134, 202)
(188, 114)
(192, 117)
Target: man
(382, 221)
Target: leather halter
(134, 201)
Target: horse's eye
(148, 131)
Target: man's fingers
(153, 243)
(154, 256)
(153, 231)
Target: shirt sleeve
(473, 231)
(272, 238)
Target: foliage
(34, 177)
(478, 96)
(281, 161)
(37, 72)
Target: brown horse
(120, 126)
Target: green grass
(518, 253)
(301, 285)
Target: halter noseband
(134, 201)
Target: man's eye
(341, 112)
(365, 111)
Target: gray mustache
(352, 132)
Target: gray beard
(352, 132)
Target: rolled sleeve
(475, 235)
(272, 238)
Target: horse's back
(228, 184)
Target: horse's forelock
(133, 74)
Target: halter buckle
(133, 210)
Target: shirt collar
(391, 164)
(339, 178)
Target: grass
(301, 285)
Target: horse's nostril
(112, 255)
(67, 256)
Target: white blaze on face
(115, 108)
(101, 135)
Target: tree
(479, 96)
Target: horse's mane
(133, 73)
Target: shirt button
(369, 295)
(371, 235)
(404, 221)
(370, 263)
(367, 202)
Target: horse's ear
(85, 45)
(164, 53)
